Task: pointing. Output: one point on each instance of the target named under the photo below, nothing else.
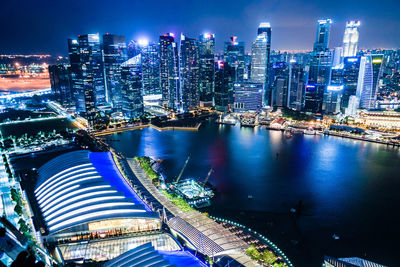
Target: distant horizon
(43, 27)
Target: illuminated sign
(207, 35)
(377, 60)
(352, 59)
(335, 87)
(310, 86)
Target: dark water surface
(349, 188)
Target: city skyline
(35, 30)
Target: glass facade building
(248, 97)
(115, 53)
(169, 71)
(234, 53)
(350, 39)
(206, 65)
(189, 73)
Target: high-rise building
(350, 39)
(131, 88)
(151, 68)
(248, 97)
(206, 64)
(224, 79)
(91, 57)
(296, 86)
(189, 73)
(279, 85)
(169, 71)
(115, 53)
(320, 69)
(368, 80)
(234, 53)
(333, 92)
(60, 80)
(351, 67)
(76, 75)
(260, 53)
(323, 32)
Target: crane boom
(208, 176)
(184, 166)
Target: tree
(18, 209)
(268, 257)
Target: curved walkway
(209, 237)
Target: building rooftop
(81, 188)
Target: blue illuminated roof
(81, 187)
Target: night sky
(42, 26)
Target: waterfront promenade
(138, 127)
(207, 236)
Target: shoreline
(138, 127)
(196, 128)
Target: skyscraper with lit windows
(320, 69)
(189, 73)
(260, 53)
(115, 53)
(234, 53)
(169, 71)
(350, 39)
(151, 68)
(206, 65)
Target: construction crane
(208, 176)
(184, 166)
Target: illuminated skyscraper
(91, 56)
(131, 88)
(368, 80)
(350, 39)
(115, 53)
(151, 68)
(224, 79)
(206, 59)
(351, 68)
(320, 69)
(76, 75)
(189, 73)
(169, 71)
(260, 53)
(323, 32)
(234, 56)
(60, 80)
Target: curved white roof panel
(80, 187)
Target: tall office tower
(189, 73)
(206, 59)
(368, 80)
(234, 56)
(279, 84)
(224, 79)
(75, 70)
(91, 57)
(131, 91)
(169, 71)
(260, 54)
(247, 64)
(151, 69)
(115, 53)
(320, 69)
(323, 32)
(351, 68)
(248, 97)
(296, 86)
(134, 49)
(60, 80)
(334, 90)
(350, 39)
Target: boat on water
(309, 131)
(226, 120)
(288, 133)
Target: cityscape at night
(200, 133)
